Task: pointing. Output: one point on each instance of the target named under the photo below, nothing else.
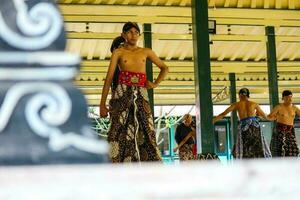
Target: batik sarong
(186, 152)
(250, 142)
(131, 134)
(283, 142)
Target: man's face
(132, 35)
(188, 121)
(287, 99)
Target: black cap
(286, 93)
(245, 92)
(128, 25)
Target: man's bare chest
(286, 112)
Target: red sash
(132, 78)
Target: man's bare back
(246, 109)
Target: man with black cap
(250, 142)
(131, 135)
(283, 143)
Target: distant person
(283, 142)
(185, 137)
(250, 142)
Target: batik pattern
(283, 142)
(250, 142)
(186, 152)
(131, 135)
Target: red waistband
(284, 127)
(133, 78)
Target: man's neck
(287, 104)
(186, 124)
(244, 99)
(130, 47)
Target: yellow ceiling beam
(278, 4)
(287, 38)
(174, 91)
(121, 19)
(140, 2)
(161, 36)
(189, 101)
(184, 76)
(250, 38)
(111, 10)
(190, 83)
(266, 4)
(164, 36)
(227, 3)
(257, 22)
(179, 20)
(160, 14)
(191, 90)
(255, 14)
(253, 3)
(222, 66)
(91, 35)
(240, 4)
(224, 69)
(102, 10)
(183, 2)
(291, 4)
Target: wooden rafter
(278, 4)
(227, 3)
(253, 3)
(266, 4)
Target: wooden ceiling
(238, 46)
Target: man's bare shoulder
(279, 107)
(251, 103)
(235, 103)
(295, 107)
(118, 51)
(147, 50)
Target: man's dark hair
(245, 92)
(128, 25)
(286, 93)
(116, 43)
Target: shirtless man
(283, 141)
(131, 135)
(250, 142)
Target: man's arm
(260, 112)
(297, 111)
(191, 134)
(160, 64)
(273, 115)
(108, 81)
(232, 107)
